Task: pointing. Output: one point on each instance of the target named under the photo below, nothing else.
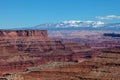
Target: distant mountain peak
(79, 25)
(72, 21)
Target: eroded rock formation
(23, 33)
(103, 67)
(20, 49)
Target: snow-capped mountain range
(79, 25)
(74, 23)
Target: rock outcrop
(20, 49)
(23, 33)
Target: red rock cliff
(13, 34)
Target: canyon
(33, 55)
(21, 49)
(103, 67)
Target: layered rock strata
(20, 49)
(103, 67)
(23, 33)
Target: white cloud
(109, 17)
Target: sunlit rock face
(20, 34)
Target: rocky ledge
(16, 34)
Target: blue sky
(25, 13)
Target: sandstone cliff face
(14, 59)
(16, 34)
